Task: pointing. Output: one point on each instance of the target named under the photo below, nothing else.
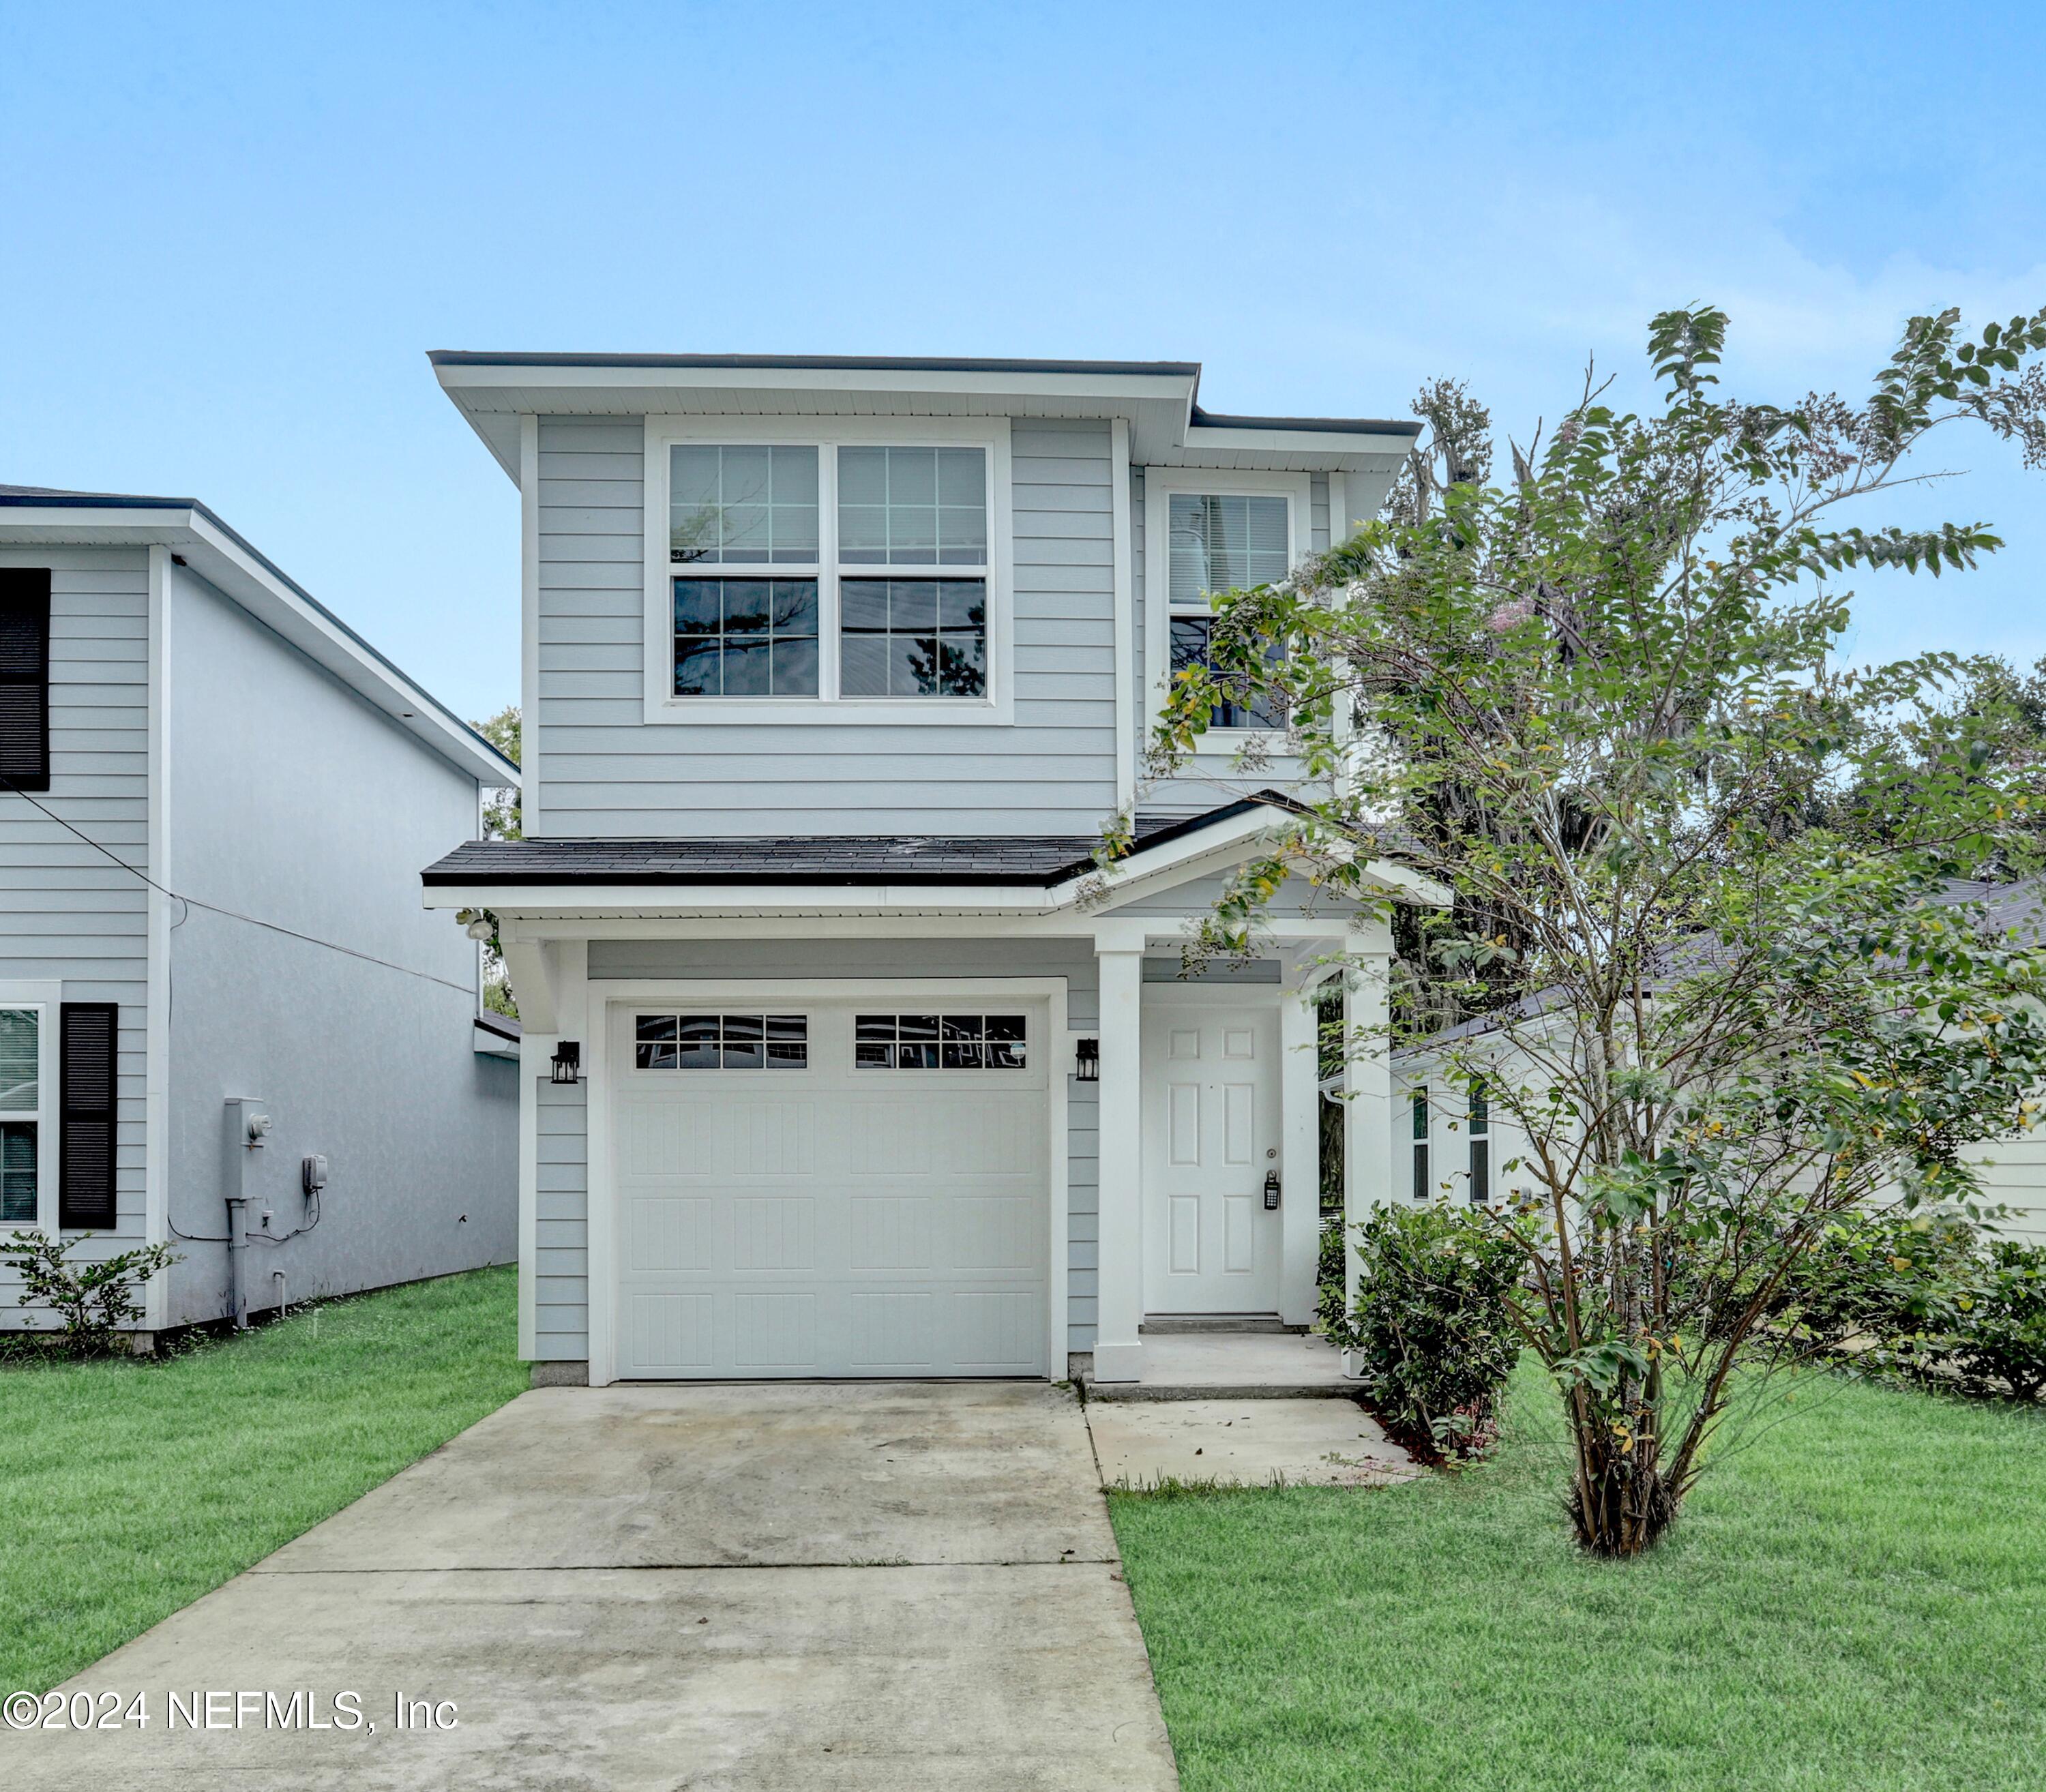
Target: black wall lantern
(568, 1061)
(1087, 1068)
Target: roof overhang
(227, 561)
(1205, 846)
(1159, 399)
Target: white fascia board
(744, 899)
(1335, 451)
(467, 377)
(878, 901)
(224, 560)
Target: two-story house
(838, 1061)
(226, 1026)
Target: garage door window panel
(721, 1041)
(939, 1042)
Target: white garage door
(814, 1188)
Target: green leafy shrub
(1432, 1332)
(1998, 1341)
(94, 1300)
(1888, 1281)
(1329, 1277)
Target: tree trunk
(1619, 1502)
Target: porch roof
(1011, 861)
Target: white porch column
(1300, 1139)
(1367, 1089)
(1118, 1352)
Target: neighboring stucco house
(837, 1062)
(1451, 1142)
(214, 798)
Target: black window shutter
(25, 678)
(85, 1183)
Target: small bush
(1890, 1280)
(94, 1300)
(1998, 1341)
(1329, 1277)
(1431, 1332)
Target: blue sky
(229, 234)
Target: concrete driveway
(903, 1585)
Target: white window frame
(1161, 483)
(46, 1000)
(996, 707)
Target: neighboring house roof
(39, 515)
(2018, 906)
(504, 1026)
(1011, 860)
(493, 388)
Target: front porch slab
(1232, 1365)
(1243, 1444)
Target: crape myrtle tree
(1700, 871)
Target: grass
(132, 1487)
(1854, 1599)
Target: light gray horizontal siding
(605, 772)
(561, 1266)
(824, 959)
(67, 912)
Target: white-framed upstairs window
(813, 570)
(1206, 533)
(29, 1111)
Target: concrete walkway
(759, 1587)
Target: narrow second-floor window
(1217, 543)
(1420, 1125)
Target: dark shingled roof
(1038, 859)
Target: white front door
(828, 1188)
(1210, 1138)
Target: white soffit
(1167, 427)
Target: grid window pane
(744, 506)
(1247, 709)
(913, 506)
(699, 1042)
(17, 1173)
(746, 638)
(1224, 544)
(913, 638)
(745, 1042)
(21, 1067)
(726, 1041)
(930, 1042)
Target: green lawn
(131, 1488)
(1856, 1598)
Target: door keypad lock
(1271, 1191)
